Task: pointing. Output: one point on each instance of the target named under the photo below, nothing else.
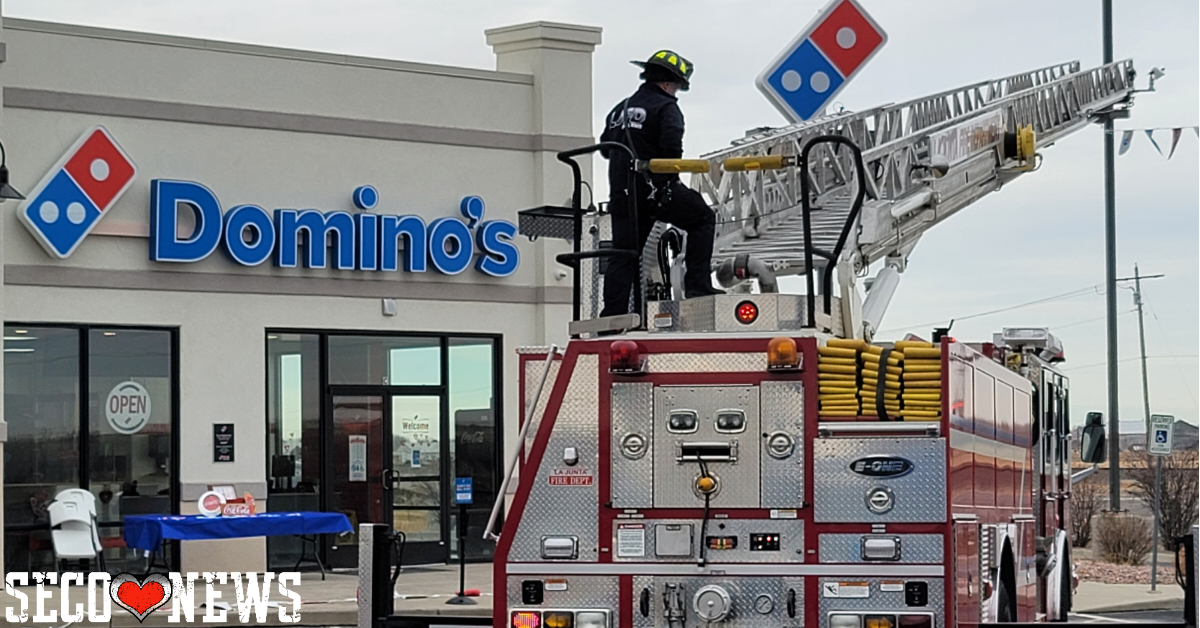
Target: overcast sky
(1039, 237)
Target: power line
(1149, 357)
(1187, 385)
(1058, 297)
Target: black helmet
(667, 66)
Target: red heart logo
(140, 597)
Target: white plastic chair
(73, 529)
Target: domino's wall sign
(803, 79)
(95, 171)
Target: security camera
(1155, 74)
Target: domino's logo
(72, 198)
(810, 72)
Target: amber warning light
(782, 354)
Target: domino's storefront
(291, 273)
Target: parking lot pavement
(1097, 597)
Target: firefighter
(651, 123)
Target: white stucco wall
(286, 129)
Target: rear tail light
(591, 619)
(879, 621)
(526, 619)
(916, 621)
(624, 357)
(845, 621)
(558, 619)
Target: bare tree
(1180, 491)
(1123, 539)
(1085, 503)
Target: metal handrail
(511, 465)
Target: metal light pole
(1110, 284)
(1137, 300)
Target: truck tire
(1064, 593)
(1004, 612)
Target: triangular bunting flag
(1175, 133)
(1126, 139)
(1150, 134)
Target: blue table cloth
(148, 531)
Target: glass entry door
(356, 468)
(389, 457)
(419, 459)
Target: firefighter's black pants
(685, 209)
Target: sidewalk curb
(1166, 604)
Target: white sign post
(1159, 440)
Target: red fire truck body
(684, 483)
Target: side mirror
(1092, 446)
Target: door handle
(388, 479)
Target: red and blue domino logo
(72, 198)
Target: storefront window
(41, 457)
(293, 433)
(378, 428)
(473, 433)
(124, 455)
(385, 360)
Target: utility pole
(1110, 284)
(1137, 300)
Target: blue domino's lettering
(262, 241)
(166, 197)
(289, 223)
(450, 245)
(412, 229)
(500, 256)
(368, 241)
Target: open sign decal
(882, 466)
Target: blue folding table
(149, 532)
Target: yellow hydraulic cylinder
(758, 162)
(674, 166)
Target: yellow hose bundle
(837, 352)
(922, 353)
(908, 344)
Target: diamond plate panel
(598, 592)
(707, 362)
(566, 510)
(742, 593)
(790, 531)
(641, 583)
(737, 481)
(670, 312)
(533, 371)
(782, 408)
(882, 601)
(914, 548)
(632, 481)
(840, 495)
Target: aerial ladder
(924, 160)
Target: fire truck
(764, 459)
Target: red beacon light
(746, 312)
(625, 357)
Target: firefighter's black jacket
(655, 125)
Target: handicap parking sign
(820, 62)
(1161, 426)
